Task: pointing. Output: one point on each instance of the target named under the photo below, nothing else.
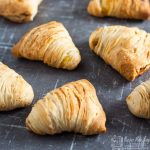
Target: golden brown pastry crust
(19, 10)
(15, 92)
(50, 43)
(73, 107)
(130, 9)
(139, 100)
(126, 49)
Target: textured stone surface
(123, 128)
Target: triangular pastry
(139, 100)
(15, 92)
(19, 10)
(126, 49)
(73, 107)
(129, 9)
(50, 43)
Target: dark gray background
(123, 128)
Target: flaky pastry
(50, 43)
(130, 9)
(73, 107)
(15, 92)
(126, 49)
(139, 100)
(19, 10)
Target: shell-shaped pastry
(139, 100)
(73, 107)
(126, 49)
(19, 10)
(130, 9)
(15, 92)
(50, 43)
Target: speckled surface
(124, 130)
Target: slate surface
(124, 130)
